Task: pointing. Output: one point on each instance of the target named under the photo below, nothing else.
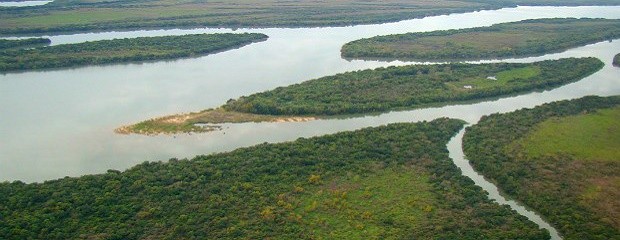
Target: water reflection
(59, 123)
(24, 3)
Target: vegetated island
(516, 39)
(617, 60)
(560, 158)
(123, 50)
(6, 44)
(389, 182)
(104, 15)
(378, 90)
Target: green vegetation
(123, 50)
(560, 158)
(98, 15)
(23, 43)
(524, 38)
(576, 136)
(412, 86)
(341, 185)
(617, 60)
(382, 89)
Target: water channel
(60, 123)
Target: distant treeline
(23, 43)
(578, 196)
(528, 37)
(412, 86)
(122, 50)
(104, 15)
(333, 186)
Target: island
(122, 50)
(378, 90)
(102, 15)
(561, 159)
(505, 40)
(6, 44)
(388, 182)
(616, 61)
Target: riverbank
(203, 121)
(368, 183)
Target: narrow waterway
(460, 160)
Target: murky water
(24, 3)
(60, 123)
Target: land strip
(560, 158)
(379, 90)
(516, 39)
(123, 50)
(104, 15)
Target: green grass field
(357, 207)
(496, 80)
(594, 136)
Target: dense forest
(516, 39)
(105, 15)
(412, 86)
(123, 50)
(560, 158)
(389, 182)
(23, 43)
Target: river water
(60, 123)
(24, 3)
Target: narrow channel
(458, 157)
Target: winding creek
(60, 123)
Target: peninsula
(379, 90)
(122, 50)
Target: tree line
(413, 86)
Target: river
(24, 3)
(60, 123)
